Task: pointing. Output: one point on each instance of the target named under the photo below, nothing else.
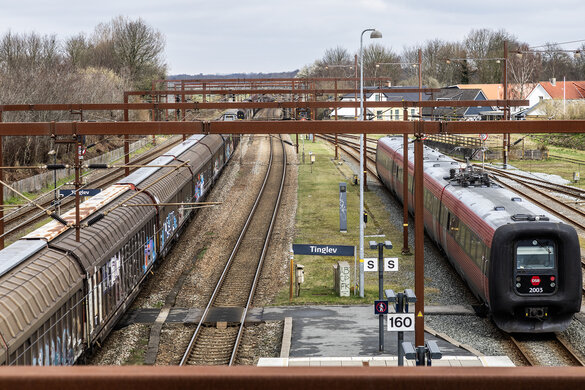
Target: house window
(397, 114)
(379, 114)
(412, 112)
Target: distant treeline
(201, 76)
(119, 55)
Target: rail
(187, 356)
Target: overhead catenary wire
(83, 175)
(556, 43)
(48, 212)
(99, 216)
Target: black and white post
(381, 246)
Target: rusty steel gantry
(73, 130)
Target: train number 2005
(535, 290)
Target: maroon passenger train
(523, 263)
(60, 297)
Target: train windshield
(535, 254)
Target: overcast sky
(228, 36)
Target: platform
(349, 336)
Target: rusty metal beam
(289, 378)
(243, 105)
(244, 91)
(288, 127)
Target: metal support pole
(355, 279)
(356, 81)
(381, 292)
(365, 163)
(292, 270)
(335, 99)
(405, 193)
(506, 139)
(400, 309)
(126, 139)
(77, 186)
(419, 241)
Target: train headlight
(553, 284)
(518, 285)
(463, 166)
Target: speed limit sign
(483, 137)
(401, 322)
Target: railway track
(22, 218)
(350, 147)
(219, 332)
(549, 349)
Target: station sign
(82, 192)
(401, 322)
(323, 250)
(390, 264)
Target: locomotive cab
(536, 272)
(535, 277)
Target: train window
(453, 223)
(535, 254)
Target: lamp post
(374, 34)
(405, 247)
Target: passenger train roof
(494, 204)
(142, 174)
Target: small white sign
(400, 322)
(390, 264)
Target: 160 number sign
(401, 322)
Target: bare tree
(139, 48)
(523, 69)
(556, 63)
(378, 54)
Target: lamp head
(376, 34)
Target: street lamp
(374, 34)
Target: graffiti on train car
(216, 166)
(59, 352)
(168, 228)
(112, 271)
(199, 186)
(149, 253)
(228, 150)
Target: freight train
(520, 261)
(59, 297)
